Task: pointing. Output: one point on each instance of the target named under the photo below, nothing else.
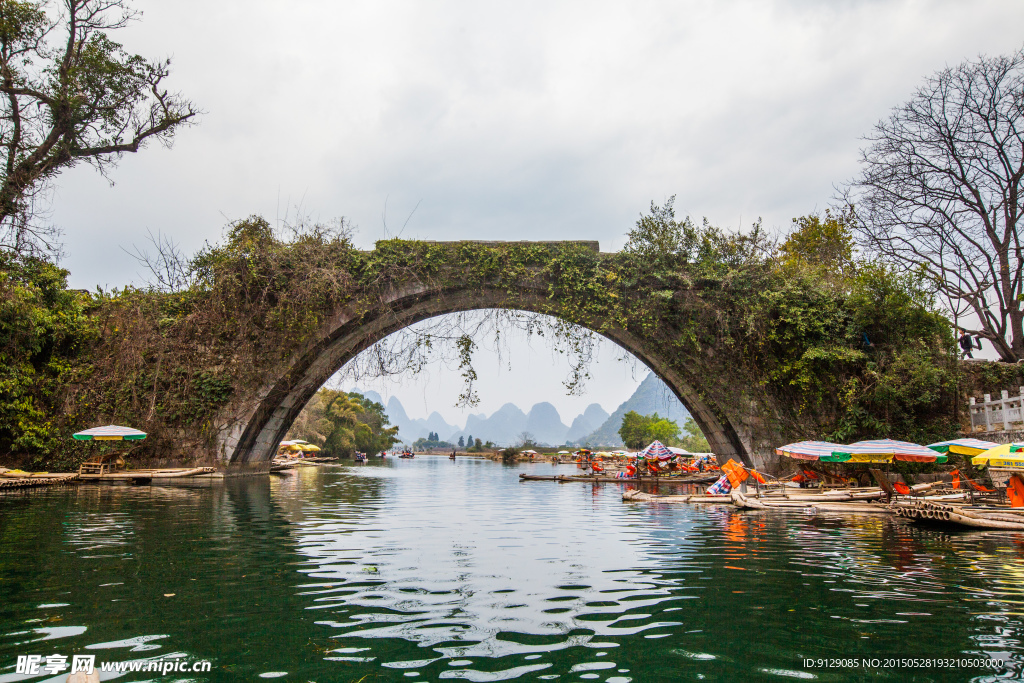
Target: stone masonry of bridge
(252, 424)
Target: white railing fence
(1002, 414)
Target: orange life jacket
(1015, 491)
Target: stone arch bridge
(736, 420)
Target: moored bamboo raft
(14, 479)
(149, 474)
(695, 479)
(634, 495)
(971, 516)
(862, 500)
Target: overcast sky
(525, 120)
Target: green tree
(663, 430)
(342, 423)
(342, 411)
(431, 441)
(69, 94)
(694, 440)
(43, 327)
(373, 431)
(824, 242)
(660, 240)
(637, 431)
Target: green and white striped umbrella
(110, 433)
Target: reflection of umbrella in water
(110, 433)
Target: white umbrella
(110, 433)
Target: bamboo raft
(589, 478)
(15, 479)
(948, 509)
(782, 496)
(970, 516)
(148, 474)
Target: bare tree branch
(941, 192)
(70, 94)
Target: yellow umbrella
(1005, 455)
(309, 447)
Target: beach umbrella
(963, 446)
(884, 451)
(810, 450)
(678, 451)
(656, 450)
(110, 433)
(309, 447)
(1004, 455)
(563, 452)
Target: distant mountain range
(652, 396)
(507, 425)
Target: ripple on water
(433, 570)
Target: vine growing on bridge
(801, 348)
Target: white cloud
(527, 120)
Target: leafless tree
(69, 94)
(941, 191)
(169, 268)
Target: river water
(422, 570)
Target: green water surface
(423, 570)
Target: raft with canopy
(886, 451)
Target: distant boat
(407, 454)
(360, 457)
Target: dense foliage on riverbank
(342, 423)
(822, 345)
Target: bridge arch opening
(507, 378)
(260, 426)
